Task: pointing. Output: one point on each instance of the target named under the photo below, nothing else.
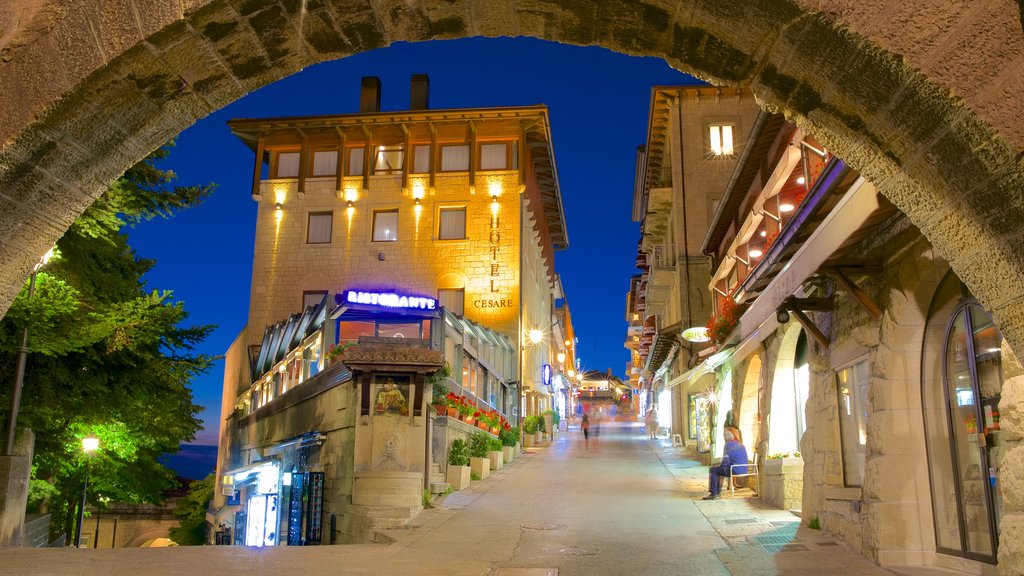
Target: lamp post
(19, 372)
(89, 445)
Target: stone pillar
(14, 476)
(1011, 477)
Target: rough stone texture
(15, 471)
(921, 98)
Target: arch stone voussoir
(924, 100)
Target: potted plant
(337, 352)
(479, 463)
(509, 438)
(722, 325)
(439, 396)
(531, 427)
(495, 454)
(466, 410)
(458, 464)
(451, 402)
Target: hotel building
(388, 244)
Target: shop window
(325, 162)
(350, 331)
(452, 224)
(389, 160)
(721, 139)
(455, 158)
(402, 330)
(319, 229)
(421, 159)
(356, 156)
(385, 225)
(287, 165)
(852, 395)
(452, 299)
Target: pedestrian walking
(595, 428)
(651, 420)
(585, 426)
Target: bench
(751, 471)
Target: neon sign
(390, 300)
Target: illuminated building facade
(420, 238)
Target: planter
(508, 452)
(538, 438)
(483, 426)
(458, 477)
(441, 409)
(453, 412)
(528, 440)
(480, 466)
(468, 420)
(495, 430)
(497, 458)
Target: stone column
(14, 476)
(1011, 473)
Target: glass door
(973, 382)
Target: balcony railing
(664, 256)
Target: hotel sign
(390, 300)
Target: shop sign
(390, 300)
(545, 374)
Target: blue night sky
(598, 103)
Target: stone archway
(749, 415)
(921, 99)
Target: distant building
(387, 245)
(691, 150)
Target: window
(355, 161)
(403, 330)
(721, 139)
(455, 158)
(421, 159)
(319, 229)
(312, 298)
(385, 226)
(452, 224)
(389, 160)
(453, 300)
(287, 165)
(852, 394)
(325, 162)
(499, 156)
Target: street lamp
(19, 372)
(89, 445)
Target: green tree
(109, 357)
(191, 512)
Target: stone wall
(781, 483)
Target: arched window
(962, 382)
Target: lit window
(494, 156)
(325, 162)
(421, 159)
(452, 224)
(288, 165)
(852, 394)
(319, 230)
(312, 298)
(455, 158)
(389, 160)
(355, 161)
(721, 139)
(385, 226)
(453, 300)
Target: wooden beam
(303, 162)
(859, 295)
(811, 327)
(257, 169)
(339, 174)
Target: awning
(663, 342)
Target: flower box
(458, 476)
(480, 466)
(497, 458)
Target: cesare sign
(390, 300)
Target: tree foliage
(191, 512)
(108, 356)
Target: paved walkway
(628, 505)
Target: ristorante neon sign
(390, 300)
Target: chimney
(419, 92)
(369, 95)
